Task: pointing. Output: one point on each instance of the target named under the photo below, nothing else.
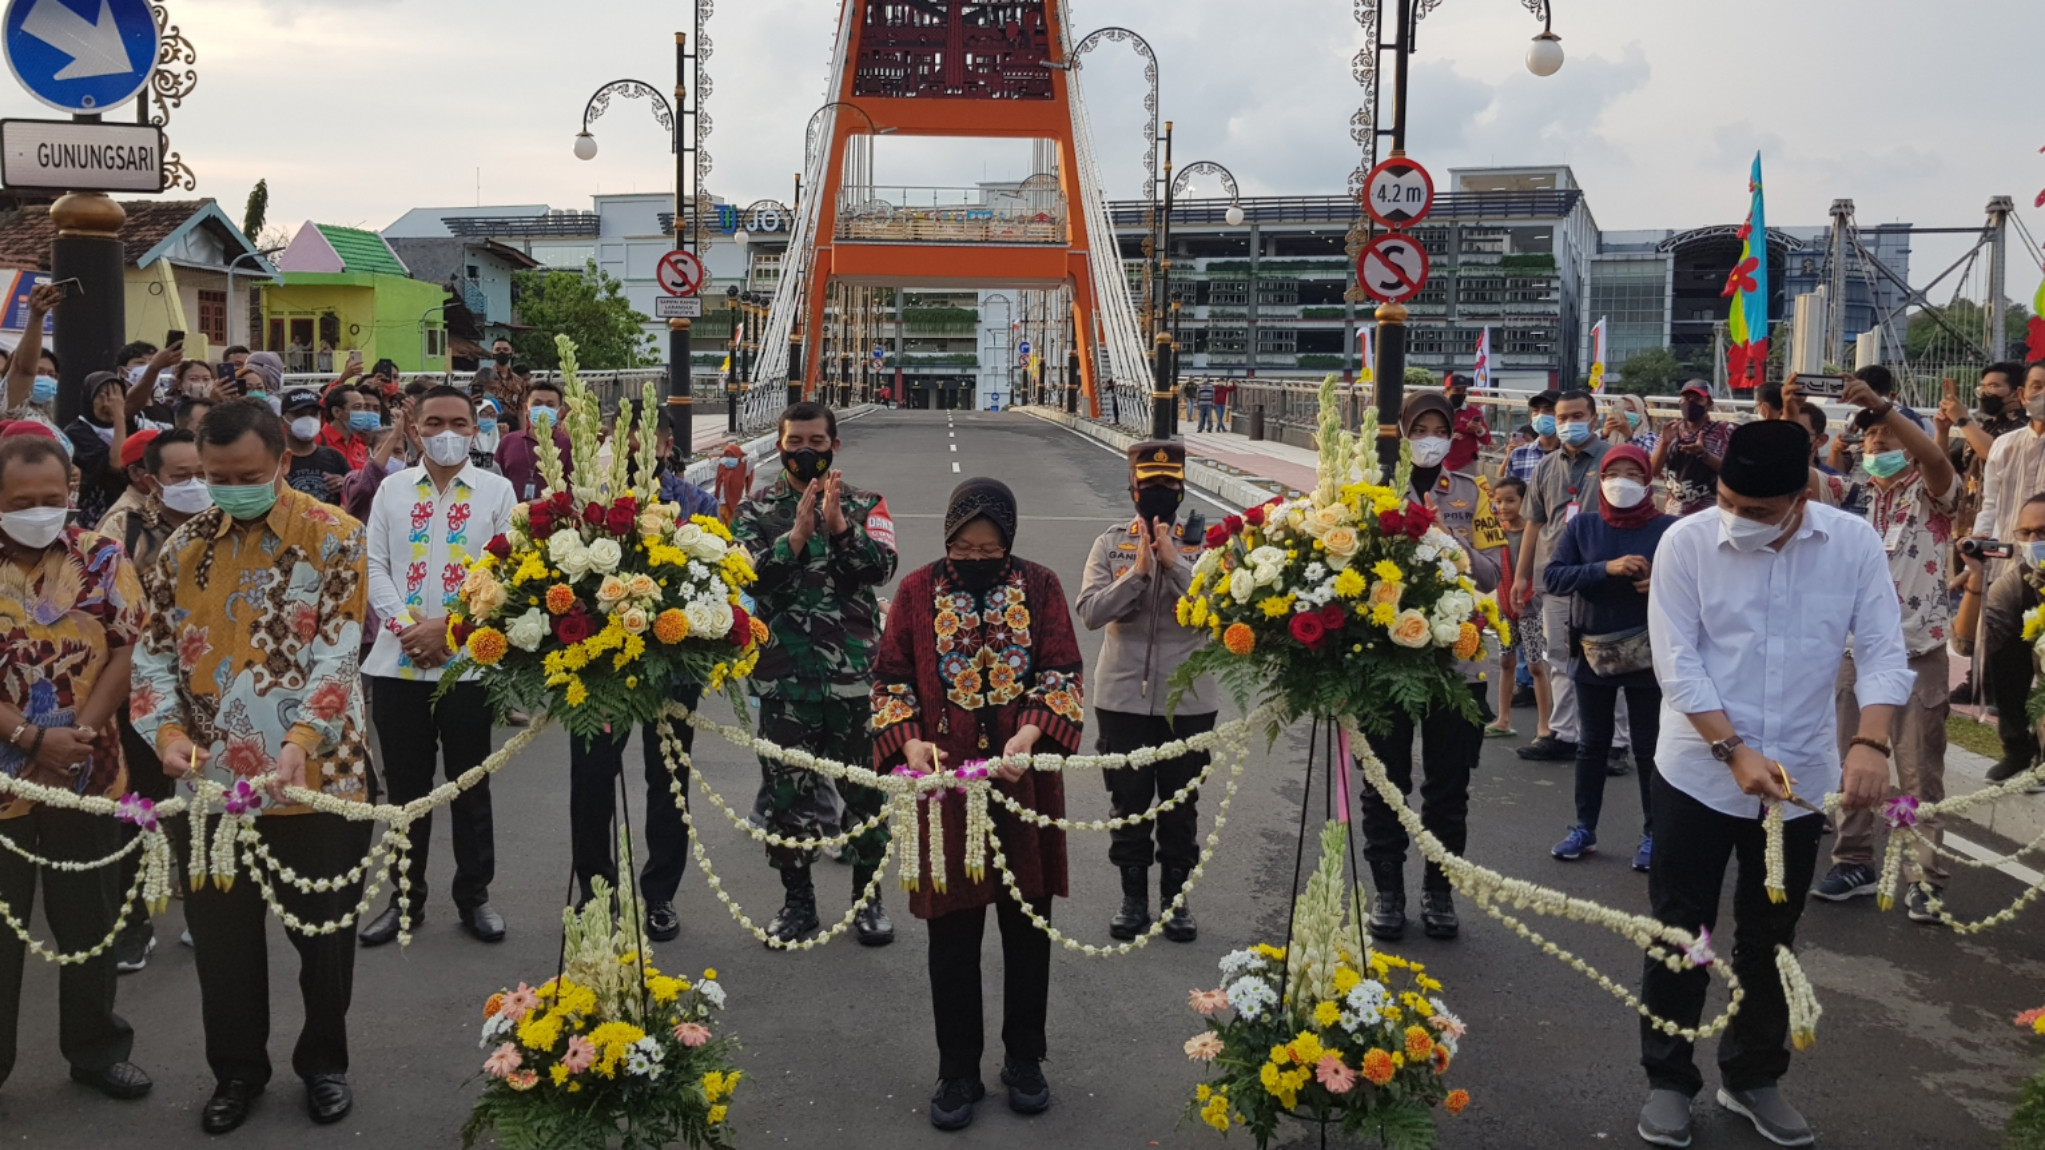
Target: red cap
(27, 427)
(1698, 386)
(132, 447)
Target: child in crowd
(1507, 495)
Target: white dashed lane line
(954, 468)
(2017, 871)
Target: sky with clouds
(358, 110)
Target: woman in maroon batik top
(979, 661)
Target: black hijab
(988, 499)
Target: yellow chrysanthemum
(559, 1074)
(1388, 571)
(1346, 980)
(1384, 614)
(1327, 1013)
(560, 597)
(1350, 583)
(577, 694)
(1184, 612)
(539, 1033)
(717, 1115)
(1199, 613)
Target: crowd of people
(214, 570)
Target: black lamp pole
(1389, 379)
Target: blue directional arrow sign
(81, 55)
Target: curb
(2019, 817)
(1235, 489)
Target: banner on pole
(1481, 370)
(1598, 355)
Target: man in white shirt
(2016, 463)
(426, 524)
(1751, 613)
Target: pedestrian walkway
(1292, 466)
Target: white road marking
(954, 468)
(954, 447)
(1124, 456)
(2017, 871)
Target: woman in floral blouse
(70, 612)
(979, 661)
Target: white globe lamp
(1234, 215)
(1544, 55)
(585, 146)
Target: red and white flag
(1481, 371)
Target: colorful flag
(1366, 342)
(1481, 370)
(1747, 287)
(1598, 355)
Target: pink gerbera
(1204, 1047)
(503, 1061)
(1207, 1003)
(581, 1054)
(519, 1003)
(1332, 1073)
(692, 1034)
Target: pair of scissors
(1789, 794)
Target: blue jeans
(1206, 416)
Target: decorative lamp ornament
(1234, 216)
(1544, 55)
(585, 146)
(740, 236)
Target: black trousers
(1449, 746)
(1134, 790)
(80, 907)
(145, 778)
(2007, 663)
(593, 769)
(1596, 708)
(1692, 844)
(955, 985)
(415, 733)
(233, 955)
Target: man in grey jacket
(1133, 581)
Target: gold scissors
(1789, 794)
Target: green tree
(1925, 338)
(1654, 371)
(258, 209)
(1422, 379)
(588, 307)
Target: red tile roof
(25, 237)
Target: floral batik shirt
(60, 623)
(253, 635)
(421, 542)
(1916, 527)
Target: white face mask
(1624, 493)
(448, 448)
(1750, 534)
(187, 498)
(36, 527)
(305, 427)
(1429, 452)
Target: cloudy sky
(358, 110)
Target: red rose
(621, 520)
(626, 503)
(541, 520)
(573, 627)
(1332, 616)
(594, 515)
(460, 633)
(741, 628)
(1391, 522)
(1254, 517)
(1234, 523)
(1307, 628)
(1418, 520)
(499, 547)
(563, 504)
(1217, 535)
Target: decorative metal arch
(1150, 131)
(1208, 167)
(600, 102)
(809, 139)
(173, 79)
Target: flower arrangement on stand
(610, 1052)
(1319, 1031)
(1352, 600)
(596, 604)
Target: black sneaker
(1917, 902)
(1618, 763)
(2008, 767)
(1548, 749)
(951, 1108)
(134, 946)
(1028, 1093)
(1845, 881)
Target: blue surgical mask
(1544, 425)
(727, 464)
(363, 421)
(540, 411)
(1575, 434)
(1884, 464)
(1633, 419)
(2034, 551)
(486, 425)
(44, 391)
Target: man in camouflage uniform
(821, 547)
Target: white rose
(634, 621)
(1266, 574)
(709, 548)
(1426, 552)
(1264, 556)
(686, 535)
(604, 556)
(721, 619)
(565, 550)
(528, 631)
(701, 618)
(1446, 634)
(1242, 584)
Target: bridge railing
(950, 216)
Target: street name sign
(64, 155)
(81, 55)
(1392, 268)
(680, 273)
(1398, 193)
(677, 307)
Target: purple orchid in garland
(242, 799)
(1699, 953)
(1901, 811)
(133, 808)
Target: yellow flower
(559, 1074)
(1349, 584)
(1277, 606)
(1419, 1043)
(1388, 571)
(1274, 953)
(713, 1085)
(1184, 613)
(1384, 614)
(487, 646)
(1327, 1013)
(1202, 1092)
(1346, 980)
(1280, 1055)
(1269, 1076)
(717, 1114)
(577, 694)
(1306, 1048)
(539, 1033)
(1199, 618)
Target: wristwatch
(1724, 748)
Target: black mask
(502, 357)
(1458, 398)
(978, 574)
(1992, 405)
(1158, 504)
(807, 464)
(1694, 412)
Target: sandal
(1491, 732)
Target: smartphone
(173, 336)
(1829, 386)
(71, 287)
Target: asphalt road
(1915, 1050)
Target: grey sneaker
(1665, 1120)
(1770, 1113)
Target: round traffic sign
(1392, 268)
(78, 56)
(1398, 193)
(680, 273)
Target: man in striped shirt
(1521, 461)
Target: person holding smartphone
(1690, 450)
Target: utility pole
(1390, 374)
(1999, 210)
(1835, 303)
(681, 402)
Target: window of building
(213, 316)
(1278, 293)
(1228, 338)
(1277, 340)
(1228, 293)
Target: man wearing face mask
(821, 547)
(1689, 452)
(1752, 608)
(1563, 487)
(489, 433)
(1134, 577)
(1916, 492)
(316, 469)
(1521, 461)
(518, 454)
(2016, 463)
(248, 668)
(350, 421)
(1472, 432)
(1993, 610)
(454, 510)
(1997, 412)
(30, 389)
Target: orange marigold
(1441, 1059)
(1377, 1066)
(759, 629)
(560, 597)
(1239, 639)
(1419, 1043)
(487, 646)
(495, 1004)
(1469, 642)
(671, 626)
(1456, 1102)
